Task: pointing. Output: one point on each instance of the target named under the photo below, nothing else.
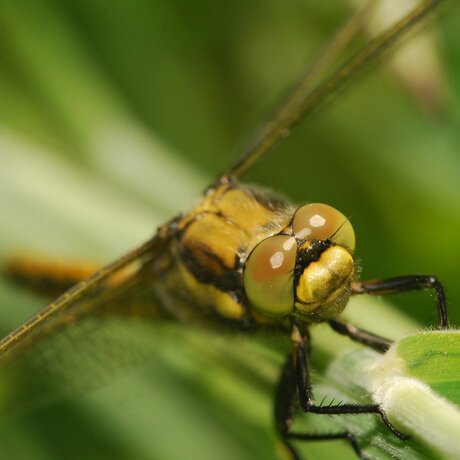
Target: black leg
(406, 284)
(295, 387)
(286, 402)
(307, 404)
(362, 336)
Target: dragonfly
(280, 267)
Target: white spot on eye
(276, 260)
(287, 245)
(317, 221)
(304, 233)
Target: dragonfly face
(299, 267)
(306, 268)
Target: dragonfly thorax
(305, 269)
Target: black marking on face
(306, 256)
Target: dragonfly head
(306, 269)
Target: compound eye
(268, 275)
(317, 221)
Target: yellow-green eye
(317, 221)
(268, 275)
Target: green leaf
(417, 383)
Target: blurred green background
(114, 115)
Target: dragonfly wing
(307, 94)
(95, 330)
(88, 296)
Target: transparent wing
(306, 96)
(88, 296)
(81, 339)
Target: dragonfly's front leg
(407, 283)
(295, 387)
(361, 336)
(390, 286)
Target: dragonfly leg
(286, 402)
(362, 336)
(295, 387)
(407, 283)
